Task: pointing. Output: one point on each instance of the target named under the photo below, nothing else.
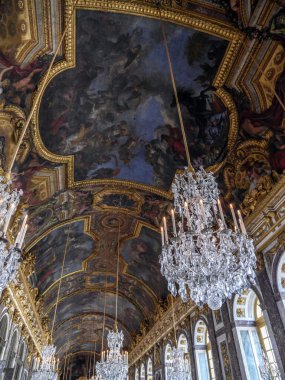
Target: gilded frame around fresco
(190, 19)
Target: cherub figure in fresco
(20, 81)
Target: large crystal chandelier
(114, 361)
(204, 259)
(10, 254)
(178, 367)
(48, 368)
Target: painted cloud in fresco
(115, 113)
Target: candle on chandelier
(173, 222)
(234, 216)
(221, 213)
(23, 236)
(162, 236)
(165, 230)
(20, 234)
(242, 226)
(8, 218)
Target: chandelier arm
(190, 167)
(60, 281)
(40, 93)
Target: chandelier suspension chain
(190, 167)
(60, 281)
(40, 93)
(104, 318)
(117, 283)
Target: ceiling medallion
(204, 259)
(10, 254)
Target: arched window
(182, 343)
(149, 369)
(137, 376)
(167, 359)
(12, 350)
(253, 335)
(142, 372)
(203, 352)
(3, 333)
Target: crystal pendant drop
(114, 362)
(203, 259)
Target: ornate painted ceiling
(104, 142)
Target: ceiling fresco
(50, 251)
(115, 110)
(114, 113)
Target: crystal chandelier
(204, 259)
(10, 254)
(269, 371)
(178, 367)
(114, 361)
(48, 368)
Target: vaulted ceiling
(105, 143)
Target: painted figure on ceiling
(273, 119)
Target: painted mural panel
(115, 111)
(142, 256)
(49, 253)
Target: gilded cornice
(267, 222)
(20, 297)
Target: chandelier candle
(221, 213)
(203, 260)
(173, 223)
(242, 226)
